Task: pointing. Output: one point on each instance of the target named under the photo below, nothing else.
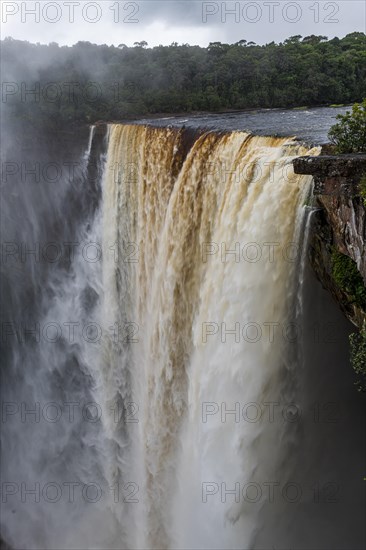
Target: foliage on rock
(349, 135)
(348, 278)
(358, 357)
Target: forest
(54, 85)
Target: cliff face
(339, 232)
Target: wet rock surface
(340, 223)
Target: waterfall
(90, 141)
(200, 252)
(154, 378)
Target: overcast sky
(185, 21)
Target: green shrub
(349, 135)
(348, 278)
(358, 357)
(363, 188)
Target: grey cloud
(165, 21)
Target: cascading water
(196, 300)
(90, 142)
(184, 292)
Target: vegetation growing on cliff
(358, 357)
(86, 82)
(348, 278)
(363, 189)
(349, 135)
(350, 281)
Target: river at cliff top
(310, 125)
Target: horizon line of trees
(140, 81)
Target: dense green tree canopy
(87, 82)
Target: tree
(242, 43)
(349, 135)
(142, 44)
(313, 39)
(293, 39)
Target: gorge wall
(337, 247)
